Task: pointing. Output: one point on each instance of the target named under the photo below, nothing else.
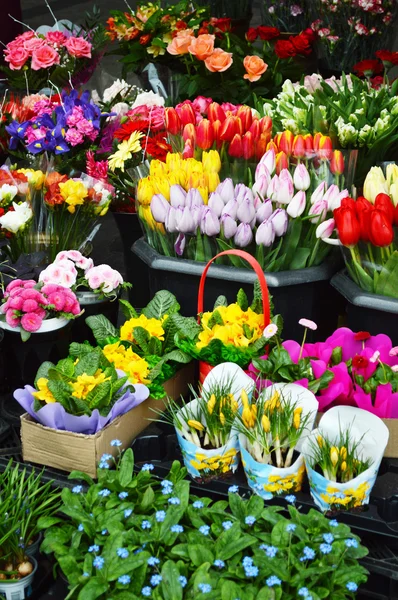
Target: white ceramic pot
(18, 590)
(47, 326)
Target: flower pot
(18, 589)
(34, 549)
(22, 359)
(136, 270)
(365, 311)
(92, 305)
(295, 294)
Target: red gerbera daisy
(362, 336)
(156, 146)
(127, 129)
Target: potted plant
(157, 537)
(342, 458)
(35, 319)
(204, 426)
(271, 433)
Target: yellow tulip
(212, 180)
(161, 186)
(191, 165)
(334, 455)
(297, 417)
(178, 176)
(375, 183)
(158, 169)
(211, 161)
(195, 180)
(394, 192)
(265, 422)
(145, 191)
(195, 425)
(173, 161)
(204, 192)
(211, 404)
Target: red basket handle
(259, 272)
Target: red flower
(127, 129)
(145, 39)
(251, 34)
(360, 362)
(156, 146)
(301, 44)
(268, 33)
(362, 336)
(383, 202)
(347, 226)
(285, 49)
(388, 57)
(181, 25)
(223, 24)
(366, 68)
(381, 232)
(2, 211)
(377, 82)
(310, 33)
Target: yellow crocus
(195, 425)
(222, 418)
(297, 417)
(320, 441)
(343, 452)
(265, 422)
(245, 399)
(343, 466)
(211, 404)
(334, 455)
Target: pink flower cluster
(79, 127)
(44, 51)
(104, 277)
(154, 114)
(201, 104)
(27, 305)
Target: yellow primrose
(44, 393)
(152, 326)
(86, 383)
(128, 361)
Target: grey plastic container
(295, 294)
(367, 312)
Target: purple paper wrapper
(55, 416)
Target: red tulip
(236, 147)
(286, 142)
(204, 134)
(228, 129)
(239, 125)
(272, 146)
(245, 115)
(266, 124)
(187, 114)
(317, 137)
(248, 145)
(396, 216)
(349, 203)
(299, 149)
(383, 202)
(216, 113)
(281, 162)
(260, 146)
(188, 151)
(173, 122)
(347, 226)
(189, 133)
(381, 232)
(337, 162)
(309, 143)
(363, 205)
(255, 129)
(364, 223)
(217, 131)
(325, 148)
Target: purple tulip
(264, 211)
(297, 206)
(179, 245)
(193, 198)
(319, 192)
(185, 222)
(319, 210)
(260, 186)
(301, 178)
(257, 202)
(209, 225)
(243, 235)
(177, 195)
(280, 221)
(159, 208)
(171, 220)
(269, 160)
(226, 190)
(286, 189)
(216, 203)
(273, 188)
(197, 213)
(229, 226)
(231, 208)
(240, 191)
(265, 234)
(246, 211)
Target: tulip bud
(325, 151)
(189, 133)
(325, 229)
(159, 208)
(231, 208)
(331, 195)
(226, 190)
(286, 142)
(173, 122)
(171, 220)
(197, 214)
(236, 146)
(280, 221)
(177, 196)
(301, 178)
(337, 200)
(245, 115)
(391, 174)
(179, 245)
(318, 193)
(255, 129)
(375, 183)
(188, 151)
(337, 162)
(209, 224)
(281, 162)
(186, 113)
(264, 211)
(299, 149)
(394, 193)
(216, 203)
(216, 113)
(193, 198)
(185, 221)
(265, 234)
(217, 132)
(309, 145)
(243, 235)
(269, 160)
(246, 211)
(262, 170)
(383, 202)
(211, 161)
(317, 138)
(261, 185)
(273, 188)
(229, 226)
(228, 129)
(297, 206)
(266, 124)
(240, 192)
(381, 232)
(248, 145)
(348, 227)
(204, 134)
(319, 210)
(272, 146)
(286, 189)
(260, 145)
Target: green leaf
(242, 300)
(70, 568)
(102, 328)
(61, 392)
(141, 338)
(100, 396)
(88, 364)
(127, 309)
(170, 587)
(177, 356)
(163, 303)
(93, 589)
(126, 468)
(25, 335)
(221, 301)
(148, 499)
(280, 536)
(299, 260)
(199, 554)
(186, 326)
(230, 590)
(43, 371)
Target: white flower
(105, 276)
(8, 192)
(270, 331)
(120, 110)
(16, 219)
(149, 99)
(62, 273)
(288, 88)
(95, 97)
(118, 87)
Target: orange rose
(181, 42)
(255, 67)
(219, 61)
(202, 46)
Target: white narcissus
(15, 219)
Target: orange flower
(181, 42)
(203, 46)
(219, 61)
(255, 67)
(54, 177)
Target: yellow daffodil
(125, 151)
(74, 193)
(152, 326)
(44, 393)
(86, 383)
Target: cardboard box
(75, 451)
(391, 450)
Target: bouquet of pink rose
(27, 304)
